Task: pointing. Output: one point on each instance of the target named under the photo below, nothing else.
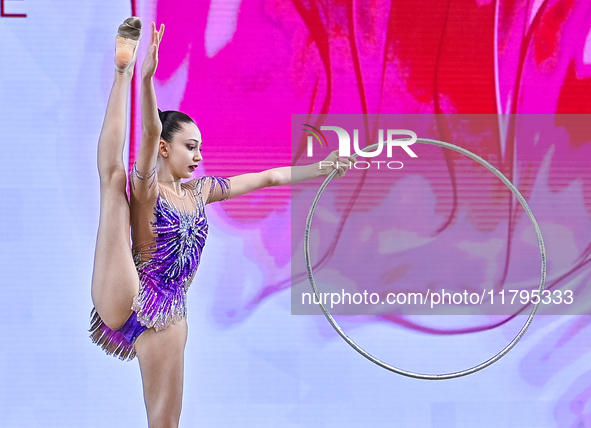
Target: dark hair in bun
(172, 122)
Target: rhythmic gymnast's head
(180, 143)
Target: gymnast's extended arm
(245, 183)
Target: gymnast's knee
(112, 175)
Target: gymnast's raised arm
(143, 175)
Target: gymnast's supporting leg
(161, 356)
(115, 280)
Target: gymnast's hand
(151, 60)
(334, 161)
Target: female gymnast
(139, 291)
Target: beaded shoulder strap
(197, 188)
(224, 184)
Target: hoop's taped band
(387, 366)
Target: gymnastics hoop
(387, 366)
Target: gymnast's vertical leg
(115, 280)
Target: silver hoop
(387, 366)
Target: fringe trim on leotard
(111, 341)
(159, 308)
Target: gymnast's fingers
(342, 166)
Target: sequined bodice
(179, 240)
(180, 231)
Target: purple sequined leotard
(179, 237)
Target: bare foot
(127, 42)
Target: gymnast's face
(183, 154)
